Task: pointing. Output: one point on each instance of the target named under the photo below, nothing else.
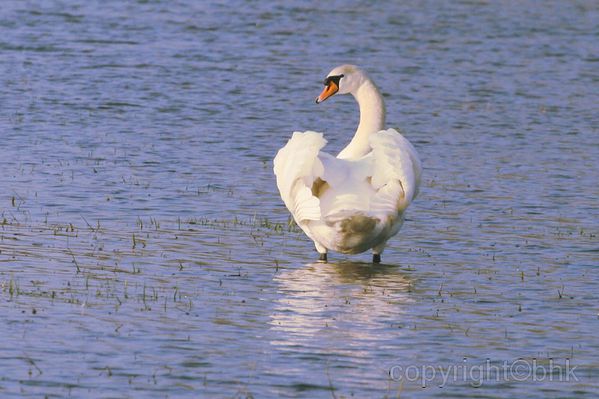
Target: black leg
(322, 258)
(376, 258)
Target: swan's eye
(335, 79)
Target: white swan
(355, 201)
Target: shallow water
(144, 251)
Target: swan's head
(343, 80)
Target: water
(144, 251)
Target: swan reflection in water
(342, 308)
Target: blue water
(145, 252)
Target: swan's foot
(322, 251)
(377, 251)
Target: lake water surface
(145, 252)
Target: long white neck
(372, 119)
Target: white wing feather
(296, 167)
(397, 172)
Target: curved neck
(372, 119)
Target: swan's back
(349, 205)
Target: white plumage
(355, 201)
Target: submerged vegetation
(110, 266)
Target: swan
(355, 201)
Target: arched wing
(396, 174)
(296, 167)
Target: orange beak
(328, 91)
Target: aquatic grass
(152, 269)
(91, 260)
